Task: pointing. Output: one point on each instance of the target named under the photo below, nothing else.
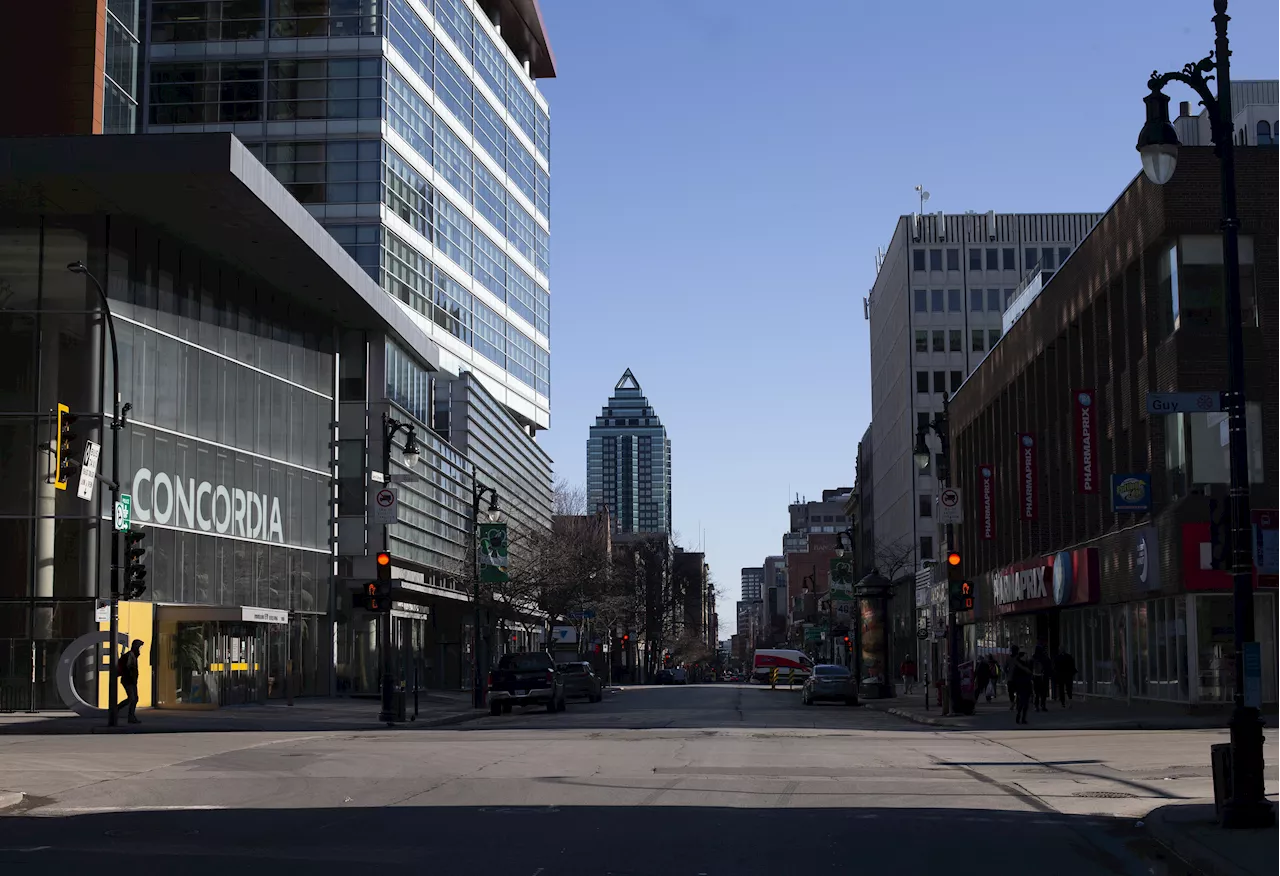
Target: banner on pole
(493, 553)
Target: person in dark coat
(981, 678)
(1064, 675)
(1041, 672)
(993, 671)
(1020, 685)
(1008, 674)
(128, 671)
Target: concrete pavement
(665, 781)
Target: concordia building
(415, 134)
(1089, 517)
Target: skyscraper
(415, 132)
(629, 462)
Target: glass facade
(464, 163)
(120, 78)
(226, 454)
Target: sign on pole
(842, 579)
(1184, 402)
(88, 470)
(949, 507)
(493, 553)
(386, 509)
(124, 512)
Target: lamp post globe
(410, 455)
(1158, 141)
(922, 458)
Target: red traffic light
(384, 558)
(953, 559)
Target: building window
(992, 337)
(1201, 283)
(979, 340)
(957, 378)
(922, 381)
(975, 260)
(917, 260)
(926, 506)
(953, 259)
(1033, 258)
(955, 302)
(935, 260)
(922, 419)
(1010, 258)
(1264, 133)
(939, 381)
(1063, 253)
(1046, 258)
(922, 341)
(957, 342)
(1168, 273)
(993, 259)
(975, 300)
(1008, 298)
(937, 298)
(1203, 438)
(939, 342)
(993, 301)
(922, 301)
(926, 547)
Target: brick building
(1054, 420)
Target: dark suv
(525, 679)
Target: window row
(952, 340)
(994, 259)
(1043, 257)
(254, 91)
(990, 300)
(409, 276)
(412, 198)
(180, 21)
(432, 138)
(326, 171)
(939, 381)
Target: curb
(1182, 845)
(961, 724)
(10, 799)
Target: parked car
(581, 681)
(663, 677)
(829, 682)
(679, 676)
(526, 679)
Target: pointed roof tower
(627, 381)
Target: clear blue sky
(722, 173)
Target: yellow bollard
(773, 678)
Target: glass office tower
(414, 130)
(629, 462)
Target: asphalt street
(676, 781)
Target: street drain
(1106, 795)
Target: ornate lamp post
(1158, 146)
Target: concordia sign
(206, 507)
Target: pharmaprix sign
(170, 500)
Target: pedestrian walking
(908, 672)
(1020, 685)
(993, 672)
(1064, 674)
(981, 679)
(1008, 673)
(127, 669)
(1041, 672)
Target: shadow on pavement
(630, 840)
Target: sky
(722, 174)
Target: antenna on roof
(924, 197)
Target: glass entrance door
(243, 650)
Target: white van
(790, 664)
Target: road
(685, 781)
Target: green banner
(813, 634)
(493, 553)
(842, 579)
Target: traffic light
(626, 638)
(848, 645)
(134, 572)
(959, 589)
(377, 594)
(62, 447)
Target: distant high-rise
(752, 582)
(629, 462)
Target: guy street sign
(1184, 402)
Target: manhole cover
(1105, 795)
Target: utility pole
(117, 424)
(390, 427)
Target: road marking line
(88, 810)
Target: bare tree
(569, 499)
(892, 558)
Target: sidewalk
(1191, 831)
(435, 709)
(1096, 713)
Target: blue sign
(588, 614)
(1131, 493)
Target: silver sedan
(829, 682)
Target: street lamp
(1158, 145)
(409, 454)
(478, 492)
(118, 415)
(939, 427)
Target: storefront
(1028, 603)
